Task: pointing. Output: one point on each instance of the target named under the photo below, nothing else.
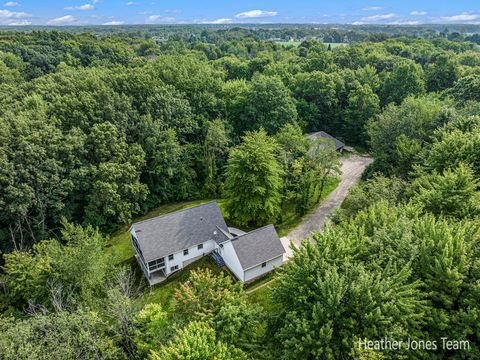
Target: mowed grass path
(120, 252)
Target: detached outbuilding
(339, 145)
(166, 244)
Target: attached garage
(253, 254)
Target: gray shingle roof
(338, 144)
(179, 230)
(258, 246)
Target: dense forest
(96, 129)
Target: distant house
(170, 242)
(339, 145)
(160, 39)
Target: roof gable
(258, 246)
(338, 144)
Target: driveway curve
(352, 169)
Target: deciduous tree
(253, 181)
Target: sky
(118, 12)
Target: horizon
(212, 12)
(233, 25)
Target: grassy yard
(262, 295)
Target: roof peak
(253, 231)
(176, 212)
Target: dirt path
(352, 169)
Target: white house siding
(257, 271)
(193, 253)
(231, 260)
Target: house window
(199, 247)
(156, 264)
(185, 252)
(170, 257)
(264, 264)
(173, 268)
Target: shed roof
(179, 230)
(338, 144)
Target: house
(166, 244)
(339, 145)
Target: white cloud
(114, 22)
(418, 13)
(372, 8)
(11, 4)
(218, 21)
(64, 20)
(153, 19)
(132, 3)
(405, 22)
(86, 7)
(461, 17)
(256, 14)
(20, 23)
(7, 14)
(379, 17)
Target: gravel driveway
(352, 169)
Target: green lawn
(262, 295)
(252, 286)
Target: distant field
(334, 45)
(297, 43)
(289, 43)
